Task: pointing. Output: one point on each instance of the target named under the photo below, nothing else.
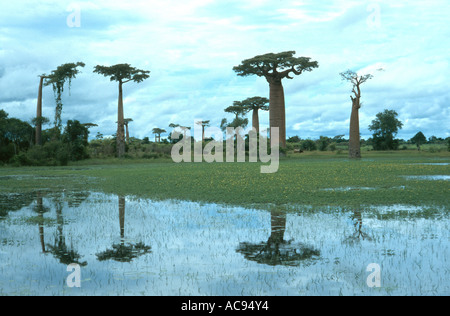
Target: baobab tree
(184, 129)
(126, 122)
(203, 124)
(239, 111)
(276, 67)
(356, 80)
(57, 79)
(256, 104)
(122, 73)
(158, 131)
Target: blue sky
(191, 46)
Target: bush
(50, 154)
(6, 152)
(308, 144)
(332, 147)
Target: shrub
(308, 144)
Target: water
(128, 246)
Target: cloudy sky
(191, 46)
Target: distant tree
(356, 80)
(419, 139)
(239, 110)
(274, 68)
(126, 122)
(158, 131)
(384, 129)
(294, 139)
(256, 104)
(323, 143)
(339, 139)
(145, 141)
(203, 124)
(122, 73)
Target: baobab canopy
(275, 66)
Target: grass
(315, 178)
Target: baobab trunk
(277, 115)
(120, 125)
(255, 120)
(354, 141)
(39, 114)
(128, 134)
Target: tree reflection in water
(277, 251)
(123, 252)
(59, 249)
(358, 234)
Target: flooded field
(128, 246)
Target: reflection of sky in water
(434, 177)
(193, 249)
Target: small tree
(419, 139)
(158, 131)
(122, 73)
(384, 128)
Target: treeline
(324, 143)
(57, 149)
(71, 143)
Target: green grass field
(316, 179)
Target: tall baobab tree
(276, 67)
(57, 79)
(158, 131)
(356, 80)
(203, 124)
(122, 73)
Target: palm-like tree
(158, 131)
(203, 124)
(256, 104)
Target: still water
(129, 246)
